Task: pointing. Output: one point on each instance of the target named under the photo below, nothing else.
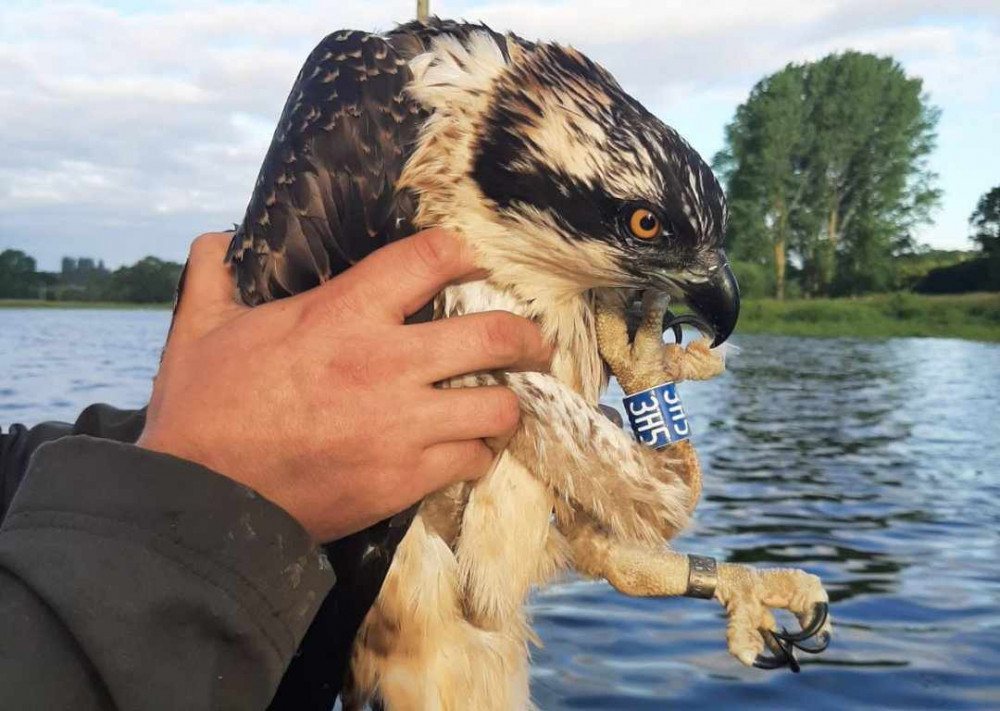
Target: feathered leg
(748, 594)
(591, 464)
(588, 461)
(640, 569)
(417, 649)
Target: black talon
(784, 654)
(820, 612)
(674, 323)
(822, 642)
(671, 322)
(783, 644)
(762, 662)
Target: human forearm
(152, 583)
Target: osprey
(575, 199)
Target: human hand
(324, 402)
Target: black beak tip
(724, 330)
(717, 301)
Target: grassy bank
(969, 316)
(39, 304)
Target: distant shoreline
(77, 305)
(974, 317)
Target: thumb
(206, 294)
(209, 280)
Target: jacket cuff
(220, 529)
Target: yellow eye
(644, 224)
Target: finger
(400, 278)
(205, 292)
(460, 414)
(493, 340)
(209, 280)
(452, 462)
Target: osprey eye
(642, 223)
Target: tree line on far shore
(826, 171)
(150, 280)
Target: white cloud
(126, 133)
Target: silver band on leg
(703, 576)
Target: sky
(128, 128)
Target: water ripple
(872, 464)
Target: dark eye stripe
(587, 209)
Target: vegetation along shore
(826, 170)
(99, 305)
(967, 316)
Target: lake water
(873, 464)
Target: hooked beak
(715, 303)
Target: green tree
(150, 280)
(18, 275)
(763, 167)
(985, 222)
(826, 163)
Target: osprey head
(594, 191)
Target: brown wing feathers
(324, 199)
(325, 196)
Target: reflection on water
(55, 362)
(873, 464)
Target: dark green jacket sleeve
(135, 580)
